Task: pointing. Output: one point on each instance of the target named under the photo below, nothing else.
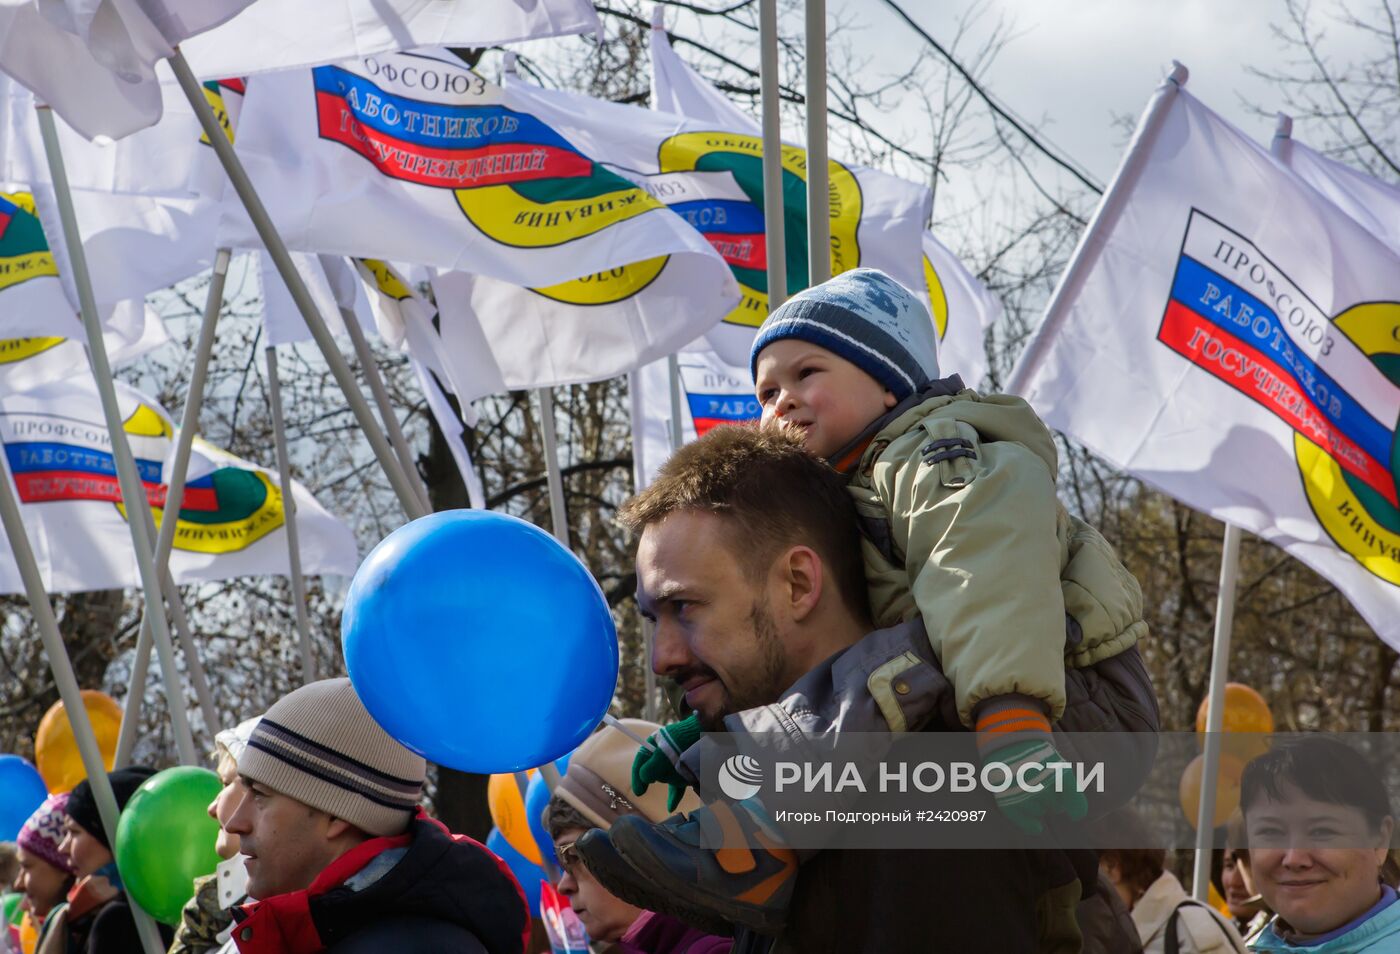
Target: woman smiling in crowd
(1319, 824)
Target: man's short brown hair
(772, 494)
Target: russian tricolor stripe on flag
(1222, 328)
(439, 144)
(733, 227)
(711, 410)
(7, 212)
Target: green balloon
(165, 839)
(9, 907)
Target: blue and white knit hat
(320, 746)
(867, 318)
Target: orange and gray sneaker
(722, 865)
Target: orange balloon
(56, 750)
(28, 934)
(1246, 715)
(507, 807)
(1217, 902)
(1227, 789)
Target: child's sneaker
(676, 868)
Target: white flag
(231, 523)
(1368, 200)
(1230, 337)
(876, 219)
(416, 158)
(282, 319)
(34, 308)
(94, 61)
(32, 300)
(285, 34)
(712, 394)
(962, 308)
(459, 354)
(147, 206)
(132, 330)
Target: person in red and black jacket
(338, 853)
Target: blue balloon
(22, 790)
(526, 871)
(478, 641)
(536, 798)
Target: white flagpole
(673, 383)
(386, 407)
(199, 680)
(132, 491)
(67, 683)
(774, 234)
(557, 509)
(1215, 709)
(289, 515)
(174, 497)
(135, 695)
(1283, 137)
(818, 198)
(636, 414)
(1091, 240)
(340, 370)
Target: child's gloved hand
(1014, 731)
(1026, 807)
(658, 763)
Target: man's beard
(761, 685)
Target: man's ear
(337, 827)
(890, 399)
(803, 577)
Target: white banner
(1230, 337)
(232, 522)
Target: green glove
(658, 763)
(1026, 807)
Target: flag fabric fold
(1232, 338)
(95, 61)
(289, 34)
(147, 206)
(1374, 204)
(35, 308)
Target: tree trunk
(461, 796)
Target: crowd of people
(886, 553)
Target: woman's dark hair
(1122, 835)
(1138, 867)
(1323, 769)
